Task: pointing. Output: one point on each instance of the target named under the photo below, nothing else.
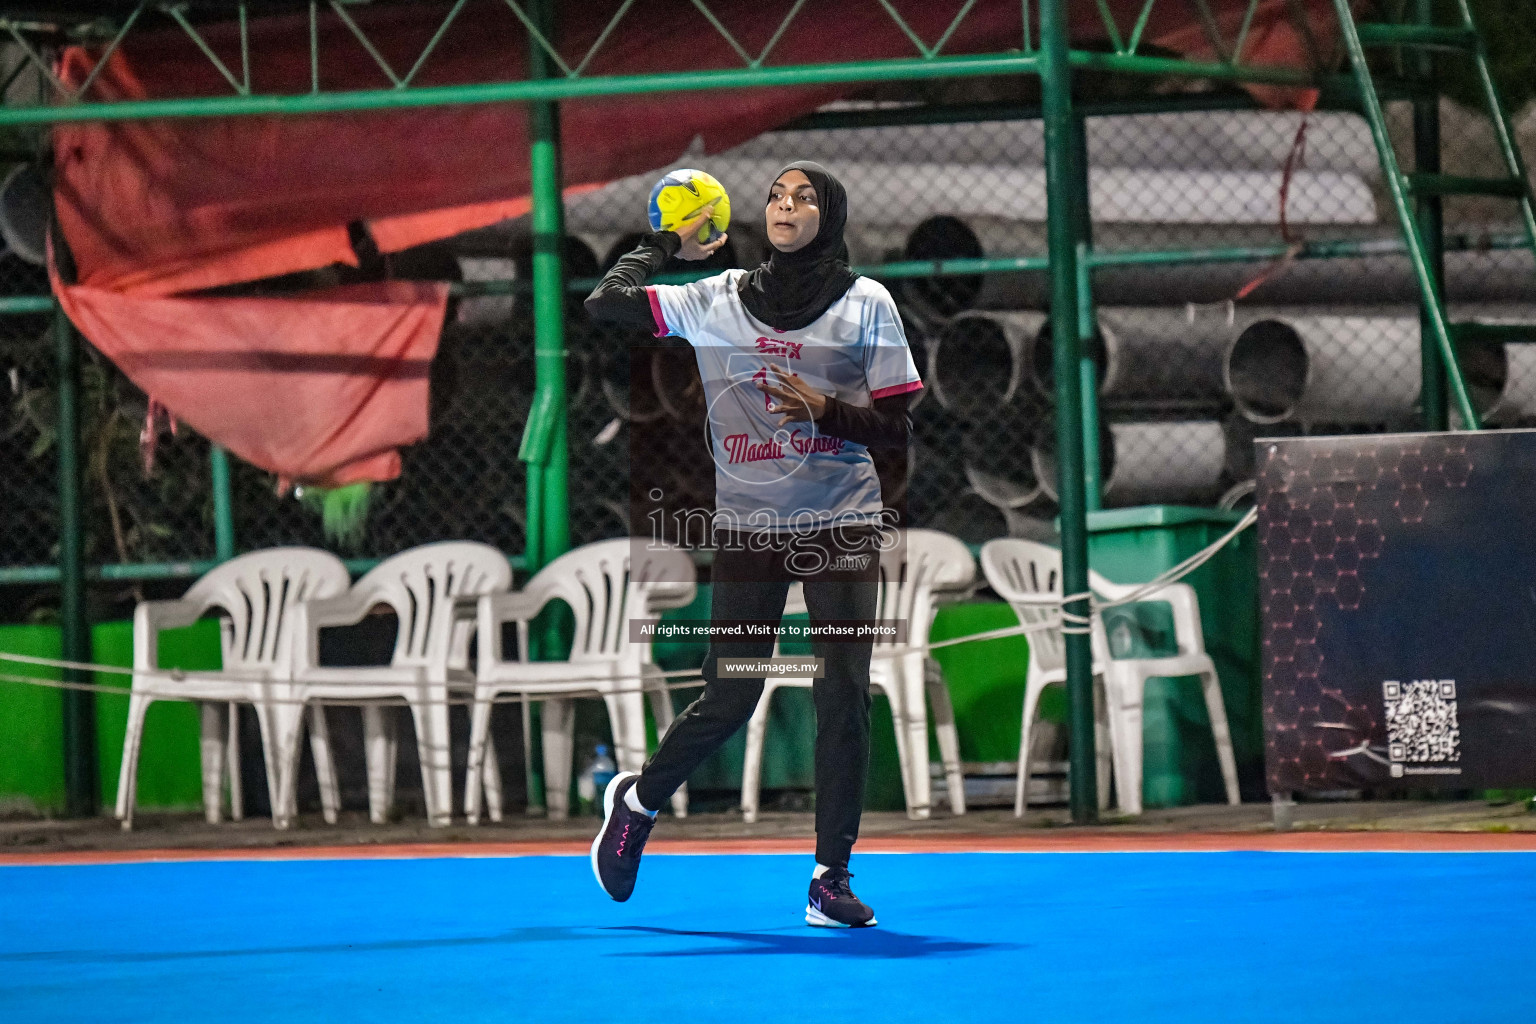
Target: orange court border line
(1198, 842)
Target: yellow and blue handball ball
(680, 195)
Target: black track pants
(751, 585)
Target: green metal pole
(558, 87)
(1087, 319)
(1397, 189)
(81, 783)
(1064, 198)
(223, 505)
(1431, 211)
(23, 304)
(1088, 385)
(550, 520)
(544, 444)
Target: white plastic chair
(433, 591)
(1019, 570)
(256, 596)
(1127, 681)
(925, 567)
(605, 589)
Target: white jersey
(790, 477)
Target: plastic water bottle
(603, 770)
(593, 781)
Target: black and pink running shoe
(832, 903)
(617, 848)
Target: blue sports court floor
(1147, 936)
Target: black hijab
(792, 289)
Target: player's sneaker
(617, 848)
(833, 905)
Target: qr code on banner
(1421, 721)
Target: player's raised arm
(620, 297)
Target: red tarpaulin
(159, 208)
(251, 369)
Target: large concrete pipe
(1035, 524)
(996, 456)
(1151, 462)
(1163, 354)
(1516, 404)
(948, 237)
(1476, 276)
(1343, 367)
(906, 191)
(486, 310)
(970, 517)
(933, 478)
(942, 238)
(980, 360)
(514, 262)
(1470, 277)
(625, 373)
(975, 520)
(1241, 434)
(1230, 139)
(1168, 354)
(935, 469)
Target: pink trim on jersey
(661, 321)
(895, 389)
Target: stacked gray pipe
(1216, 164)
(1000, 365)
(1362, 366)
(1382, 275)
(976, 520)
(1151, 463)
(980, 361)
(979, 370)
(993, 462)
(1516, 404)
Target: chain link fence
(1194, 359)
(147, 484)
(29, 514)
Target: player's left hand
(688, 231)
(797, 400)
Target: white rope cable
(1069, 622)
(279, 701)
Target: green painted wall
(170, 770)
(986, 681)
(31, 726)
(31, 731)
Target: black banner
(1397, 576)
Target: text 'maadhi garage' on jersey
(773, 477)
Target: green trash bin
(1134, 545)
